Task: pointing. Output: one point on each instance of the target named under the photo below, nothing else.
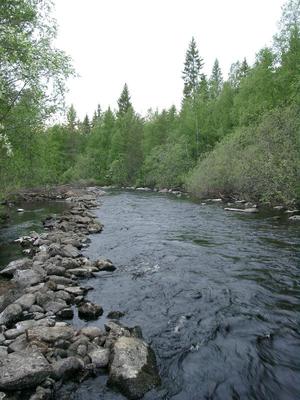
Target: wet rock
(81, 272)
(89, 311)
(13, 266)
(23, 370)
(95, 228)
(251, 210)
(11, 314)
(99, 357)
(65, 313)
(133, 370)
(104, 265)
(66, 368)
(295, 218)
(61, 280)
(41, 393)
(115, 314)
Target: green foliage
(259, 162)
(167, 165)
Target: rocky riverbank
(39, 350)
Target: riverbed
(217, 295)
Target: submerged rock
(133, 370)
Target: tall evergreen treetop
(124, 103)
(72, 118)
(216, 80)
(191, 72)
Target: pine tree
(72, 118)
(86, 127)
(124, 103)
(191, 72)
(216, 81)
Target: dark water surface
(217, 295)
(21, 223)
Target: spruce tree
(191, 72)
(72, 118)
(124, 103)
(216, 81)
(86, 127)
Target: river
(217, 294)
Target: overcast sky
(143, 43)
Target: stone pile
(39, 350)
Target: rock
(13, 333)
(13, 266)
(26, 301)
(42, 298)
(41, 393)
(3, 351)
(115, 314)
(65, 313)
(133, 370)
(89, 311)
(104, 265)
(81, 272)
(23, 370)
(295, 218)
(91, 332)
(100, 357)
(75, 290)
(61, 280)
(66, 368)
(11, 314)
(55, 306)
(51, 334)
(95, 228)
(55, 270)
(69, 251)
(29, 277)
(242, 210)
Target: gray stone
(100, 357)
(66, 368)
(55, 270)
(133, 370)
(13, 266)
(55, 306)
(11, 314)
(104, 265)
(26, 301)
(91, 331)
(51, 334)
(23, 370)
(295, 218)
(29, 277)
(3, 351)
(69, 251)
(89, 311)
(81, 272)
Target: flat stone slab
(50, 334)
(23, 370)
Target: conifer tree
(124, 103)
(191, 72)
(86, 127)
(72, 118)
(216, 81)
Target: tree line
(238, 136)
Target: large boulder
(133, 370)
(23, 370)
(13, 266)
(11, 314)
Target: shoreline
(39, 350)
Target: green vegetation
(238, 136)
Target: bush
(260, 162)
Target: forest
(238, 136)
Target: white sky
(143, 43)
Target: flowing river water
(217, 295)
